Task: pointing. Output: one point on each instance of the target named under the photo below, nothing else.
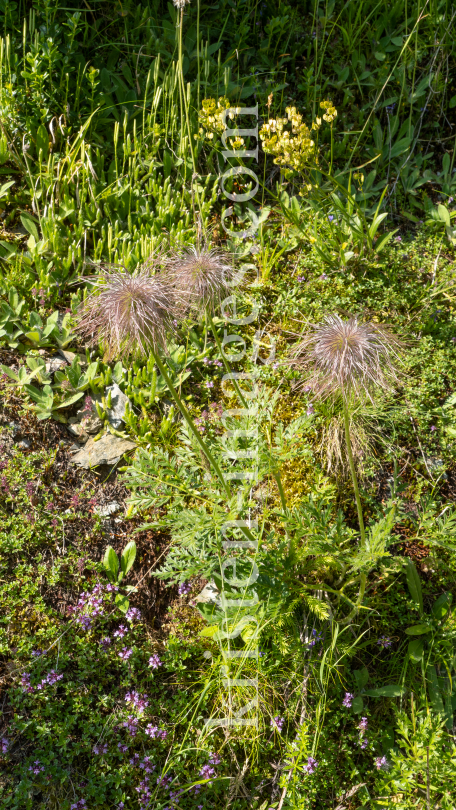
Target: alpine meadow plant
(350, 360)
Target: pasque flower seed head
(347, 357)
(129, 312)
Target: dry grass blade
(129, 314)
(347, 357)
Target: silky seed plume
(129, 313)
(203, 276)
(347, 357)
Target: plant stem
(186, 415)
(353, 475)
(224, 360)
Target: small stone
(76, 429)
(107, 509)
(54, 364)
(209, 593)
(92, 424)
(69, 357)
(23, 444)
(107, 450)
(116, 413)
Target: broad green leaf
(111, 562)
(414, 584)
(419, 629)
(29, 224)
(34, 336)
(444, 214)
(42, 141)
(128, 557)
(357, 704)
(361, 677)
(382, 242)
(441, 607)
(122, 602)
(208, 632)
(415, 649)
(9, 373)
(70, 401)
(392, 690)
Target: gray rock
(54, 364)
(23, 444)
(107, 450)
(209, 593)
(107, 509)
(14, 428)
(69, 357)
(116, 413)
(76, 429)
(92, 424)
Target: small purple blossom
(381, 763)
(385, 642)
(121, 631)
(310, 409)
(125, 653)
(364, 743)
(25, 683)
(4, 744)
(105, 642)
(155, 661)
(36, 767)
(133, 614)
(398, 238)
(206, 772)
(131, 724)
(184, 588)
(363, 723)
(331, 217)
(79, 805)
(348, 700)
(214, 759)
(100, 749)
(277, 723)
(140, 702)
(122, 748)
(155, 732)
(433, 428)
(311, 766)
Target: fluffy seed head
(180, 3)
(202, 276)
(129, 313)
(349, 357)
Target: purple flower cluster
(140, 702)
(381, 763)
(131, 724)
(4, 744)
(125, 653)
(155, 732)
(121, 631)
(277, 722)
(133, 614)
(155, 661)
(311, 766)
(184, 588)
(143, 788)
(122, 748)
(36, 767)
(206, 772)
(315, 637)
(79, 805)
(100, 749)
(348, 700)
(51, 678)
(105, 642)
(90, 604)
(363, 723)
(385, 642)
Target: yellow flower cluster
(331, 112)
(210, 117)
(294, 149)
